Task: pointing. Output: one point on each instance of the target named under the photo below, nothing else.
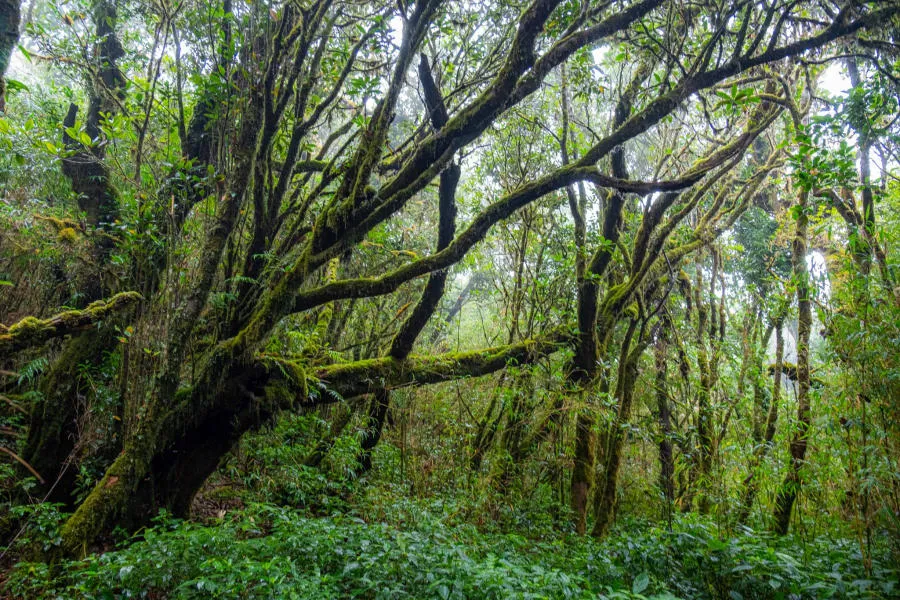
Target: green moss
(27, 327)
(614, 298)
(632, 311)
(278, 395)
(32, 331)
(289, 374)
(110, 497)
(67, 234)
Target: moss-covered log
(31, 331)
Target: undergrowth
(322, 533)
(272, 552)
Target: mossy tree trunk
(51, 445)
(613, 440)
(790, 487)
(764, 444)
(9, 36)
(664, 416)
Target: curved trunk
(168, 457)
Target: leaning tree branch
(431, 296)
(503, 208)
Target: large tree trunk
(9, 36)
(53, 432)
(181, 438)
(614, 439)
(177, 444)
(787, 494)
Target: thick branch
(403, 342)
(31, 331)
(360, 377)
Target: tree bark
(703, 464)
(664, 415)
(790, 488)
(751, 483)
(9, 37)
(614, 439)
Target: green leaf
(14, 85)
(640, 583)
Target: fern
(32, 369)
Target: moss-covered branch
(31, 331)
(360, 377)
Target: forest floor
(268, 527)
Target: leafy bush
(269, 552)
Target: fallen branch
(24, 463)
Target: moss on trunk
(9, 36)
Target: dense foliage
(275, 553)
(328, 298)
